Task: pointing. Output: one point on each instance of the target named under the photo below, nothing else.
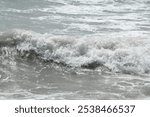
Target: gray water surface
(74, 49)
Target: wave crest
(126, 55)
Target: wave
(119, 55)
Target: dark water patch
(146, 90)
(7, 86)
(132, 94)
(95, 64)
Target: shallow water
(74, 49)
(30, 80)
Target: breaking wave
(119, 55)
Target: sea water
(74, 49)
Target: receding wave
(119, 55)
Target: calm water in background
(74, 49)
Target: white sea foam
(121, 54)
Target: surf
(128, 55)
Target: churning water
(74, 49)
